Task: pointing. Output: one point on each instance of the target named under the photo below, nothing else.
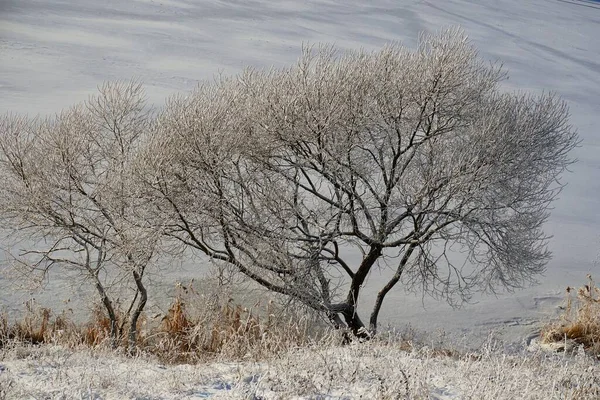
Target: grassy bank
(208, 345)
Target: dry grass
(97, 330)
(278, 354)
(378, 369)
(39, 325)
(197, 327)
(580, 322)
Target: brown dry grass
(39, 325)
(35, 326)
(97, 330)
(580, 321)
(199, 327)
(195, 328)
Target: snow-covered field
(367, 371)
(54, 53)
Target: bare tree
(69, 190)
(410, 158)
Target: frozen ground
(54, 53)
(367, 371)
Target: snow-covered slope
(54, 53)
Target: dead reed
(197, 327)
(580, 321)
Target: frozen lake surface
(55, 53)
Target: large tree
(404, 157)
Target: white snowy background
(54, 53)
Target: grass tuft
(580, 322)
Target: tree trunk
(349, 312)
(112, 316)
(384, 291)
(356, 325)
(138, 310)
(351, 318)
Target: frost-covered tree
(306, 179)
(70, 196)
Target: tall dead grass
(40, 325)
(580, 322)
(197, 327)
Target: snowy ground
(367, 371)
(54, 53)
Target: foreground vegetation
(207, 345)
(197, 327)
(377, 369)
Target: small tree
(69, 191)
(305, 179)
